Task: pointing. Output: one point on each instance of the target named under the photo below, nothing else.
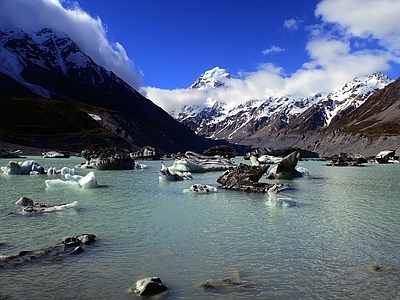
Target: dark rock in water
(380, 268)
(68, 245)
(286, 169)
(86, 238)
(244, 178)
(149, 286)
(108, 158)
(345, 159)
(70, 241)
(384, 157)
(222, 150)
(11, 154)
(25, 201)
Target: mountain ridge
(48, 67)
(299, 122)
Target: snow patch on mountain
(352, 95)
(211, 79)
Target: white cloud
(272, 49)
(291, 24)
(353, 38)
(88, 32)
(372, 19)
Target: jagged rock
(68, 245)
(385, 157)
(286, 169)
(108, 158)
(222, 150)
(149, 286)
(244, 178)
(146, 152)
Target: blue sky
(173, 42)
(271, 48)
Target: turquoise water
(346, 221)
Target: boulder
(286, 169)
(244, 178)
(149, 286)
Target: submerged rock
(68, 245)
(219, 285)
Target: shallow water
(345, 223)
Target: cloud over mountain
(343, 43)
(87, 31)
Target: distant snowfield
(95, 117)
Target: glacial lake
(342, 241)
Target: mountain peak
(211, 79)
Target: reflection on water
(341, 241)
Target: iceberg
(198, 163)
(88, 181)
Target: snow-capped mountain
(211, 79)
(215, 121)
(48, 64)
(50, 50)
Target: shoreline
(25, 150)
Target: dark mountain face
(48, 64)
(379, 115)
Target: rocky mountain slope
(47, 82)
(299, 122)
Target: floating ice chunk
(58, 183)
(66, 170)
(202, 189)
(28, 167)
(89, 181)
